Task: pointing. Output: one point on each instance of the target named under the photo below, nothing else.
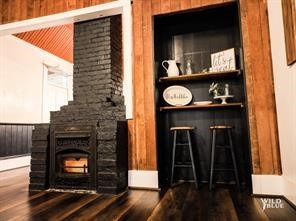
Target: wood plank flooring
(182, 202)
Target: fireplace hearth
(85, 145)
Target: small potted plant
(214, 89)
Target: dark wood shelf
(238, 104)
(201, 76)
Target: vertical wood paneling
(17, 10)
(195, 3)
(210, 2)
(13, 146)
(165, 6)
(4, 12)
(156, 7)
(79, 3)
(149, 88)
(271, 118)
(139, 86)
(132, 156)
(1, 9)
(2, 140)
(43, 7)
(70, 4)
(36, 10)
(185, 4)
(15, 139)
(289, 18)
(258, 70)
(29, 8)
(175, 5)
(7, 140)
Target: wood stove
(72, 157)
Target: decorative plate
(177, 95)
(203, 102)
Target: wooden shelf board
(239, 104)
(201, 76)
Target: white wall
(285, 94)
(21, 80)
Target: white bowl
(202, 102)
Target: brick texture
(98, 100)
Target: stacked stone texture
(98, 100)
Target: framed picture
(289, 18)
(223, 60)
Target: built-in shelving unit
(202, 76)
(194, 38)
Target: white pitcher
(172, 69)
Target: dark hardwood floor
(182, 202)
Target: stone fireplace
(85, 144)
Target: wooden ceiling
(56, 40)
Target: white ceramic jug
(172, 69)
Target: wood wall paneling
(156, 6)
(185, 4)
(1, 4)
(18, 10)
(289, 18)
(175, 5)
(258, 71)
(15, 139)
(149, 102)
(195, 3)
(139, 146)
(259, 82)
(165, 6)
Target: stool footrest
(222, 169)
(182, 165)
(223, 146)
(182, 144)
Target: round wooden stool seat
(181, 128)
(221, 127)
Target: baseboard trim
(267, 184)
(147, 179)
(13, 163)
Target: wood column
(260, 87)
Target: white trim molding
(143, 178)
(13, 163)
(289, 189)
(267, 184)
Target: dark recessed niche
(196, 35)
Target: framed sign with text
(223, 60)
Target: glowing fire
(75, 165)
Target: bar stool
(224, 129)
(176, 144)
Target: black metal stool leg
(233, 158)
(212, 158)
(192, 159)
(173, 156)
